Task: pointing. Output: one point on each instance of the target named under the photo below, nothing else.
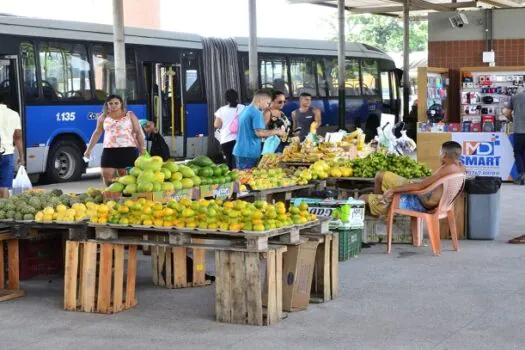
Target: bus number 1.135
(66, 116)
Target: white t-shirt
(9, 122)
(227, 115)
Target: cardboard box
(223, 191)
(325, 207)
(298, 270)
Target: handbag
(234, 126)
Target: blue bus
(57, 74)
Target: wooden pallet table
(351, 186)
(10, 286)
(196, 238)
(75, 231)
(325, 282)
(97, 278)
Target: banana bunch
(270, 161)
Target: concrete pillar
(341, 62)
(252, 46)
(406, 58)
(119, 48)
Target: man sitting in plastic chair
(388, 183)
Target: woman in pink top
(123, 138)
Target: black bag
(159, 147)
(483, 185)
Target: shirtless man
(387, 183)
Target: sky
(219, 18)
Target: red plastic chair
(452, 188)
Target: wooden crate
(169, 266)
(241, 295)
(325, 282)
(10, 286)
(94, 277)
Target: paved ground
(473, 299)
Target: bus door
(10, 93)
(164, 85)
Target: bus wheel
(64, 163)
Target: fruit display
(204, 214)
(269, 161)
(401, 165)
(31, 205)
(308, 153)
(263, 179)
(323, 170)
(151, 174)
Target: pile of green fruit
(151, 174)
(211, 173)
(25, 205)
(400, 165)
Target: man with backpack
(157, 144)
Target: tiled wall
(457, 54)
(468, 53)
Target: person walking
(252, 128)
(305, 115)
(10, 138)
(123, 139)
(224, 118)
(275, 118)
(515, 111)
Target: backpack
(234, 126)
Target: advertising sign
(486, 154)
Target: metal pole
(252, 43)
(341, 63)
(119, 48)
(406, 58)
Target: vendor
(158, 146)
(388, 183)
(305, 115)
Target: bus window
(192, 82)
(321, 80)
(65, 72)
(27, 52)
(303, 76)
(245, 69)
(103, 63)
(352, 86)
(385, 87)
(274, 74)
(370, 76)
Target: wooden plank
(179, 262)
(2, 268)
(237, 271)
(161, 253)
(71, 276)
(279, 284)
(199, 264)
(271, 303)
(89, 276)
(223, 301)
(253, 289)
(132, 276)
(334, 266)
(118, 278)
(169, 268)
(13, 264)
(155, 265)
(80, 275)
(104, 278)
(6, 294)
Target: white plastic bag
(404, 144)
(21, 182)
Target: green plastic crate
(349, 242)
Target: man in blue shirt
(252, 128)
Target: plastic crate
(40, 257)
(349, 242)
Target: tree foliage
(384, 32)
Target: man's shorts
(378, 207)
(7, 168)
(244, 163)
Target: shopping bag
(21, 182)
(271, 144)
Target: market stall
(483, 131)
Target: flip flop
(517, 240)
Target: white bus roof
(26, 26)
